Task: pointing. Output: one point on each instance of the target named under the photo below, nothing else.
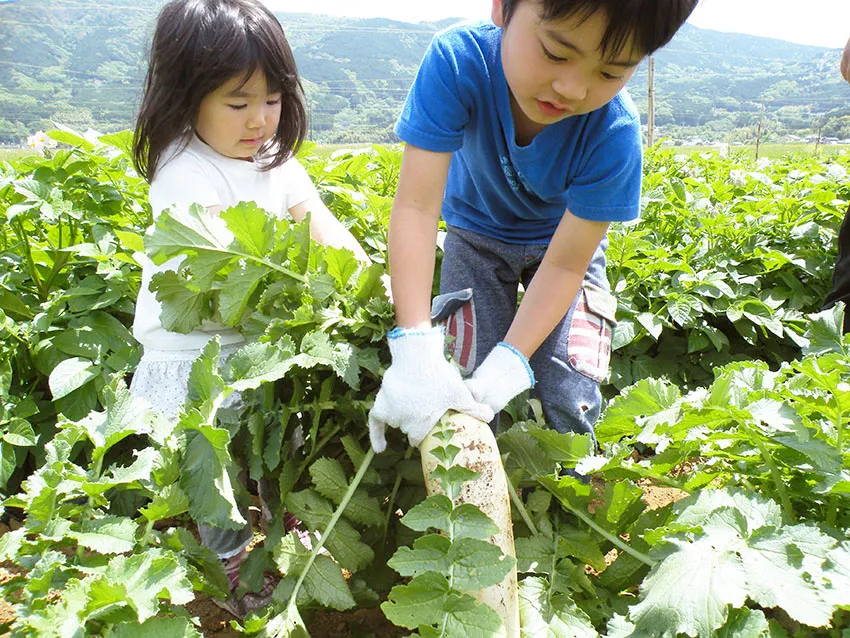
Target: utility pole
(650, 121)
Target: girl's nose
(257, 118)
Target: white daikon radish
(489, 492)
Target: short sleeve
(180, 182)
(434, 116)
(299, 185)
(608, 187)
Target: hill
(81, 63)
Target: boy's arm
(413, 233)
(556, 282)
(420, 385)
(505, 372)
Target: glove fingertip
(377, 435)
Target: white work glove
(500, 377)
(418, 388)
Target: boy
(518, 132)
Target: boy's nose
(572, 86)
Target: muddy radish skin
(489, 492)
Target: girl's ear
(496, 13)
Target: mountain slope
(81, 62)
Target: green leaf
(258, 363)
(429, 554)
(160, 627)
(170, 501)
(205, 383)
(744, 623)
(191, 229)
(325, 584)
(468, 521)
(236, 291)
(331, 482)
(743, 552)
(147, 575)
(205, 480)
(70, 375)
(550, 614)
(184, 307)
(825, 331)
(252, 227)
(287, 624)
(8, 463)
(477, 564)
(344, 543)
(19, 433)
(125, 415)
(417, 603)
(433, 512)
(107, 535)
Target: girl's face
(236, 119)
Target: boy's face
(555, 69)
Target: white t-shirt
(198, 174)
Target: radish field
(729, 389)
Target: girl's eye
(551, 55)
(274, 101)
(237, 107)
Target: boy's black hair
(198, 45)
(649, 23)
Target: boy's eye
(237, 107)
(609, 76)
(551, 55)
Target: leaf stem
(355, 483)
(616, 540)
(517, 501)
(787, 507)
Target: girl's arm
(325, 228)
(413, 233)
(556, 282)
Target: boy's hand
(500, 377)
(418, 388)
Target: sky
(817, 22)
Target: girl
(220, 121)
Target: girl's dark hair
(199, 45)
(649, 23)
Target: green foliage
(726, 390)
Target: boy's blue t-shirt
(589, 164)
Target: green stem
(834, 501)
(616, 540)
(517, 501)
(391, 500)
(355, 483)
(787, 507)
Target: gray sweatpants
(573, 360)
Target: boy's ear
(496, 13)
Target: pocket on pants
(589, 343)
